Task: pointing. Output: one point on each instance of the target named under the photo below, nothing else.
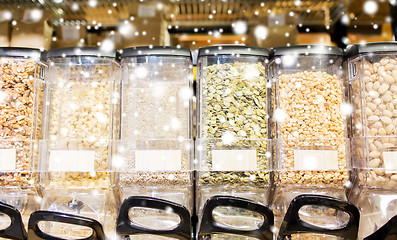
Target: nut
(79, 117)
(20, 107)
(311, 102)
(378, 125)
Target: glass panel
(154, 219)
(238, 218)
(324, 217)
(65, 230)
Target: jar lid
(356, 49)
(305, 50)
(233, 50)
(80, 51)
(155, 51)
(194, 57)
(21, 52)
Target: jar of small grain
(80, 120)
(308, 120)
(154, 156)
(21, 97)
(373, 80)
(233, 150)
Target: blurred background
(119, 24)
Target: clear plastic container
(21, 104)
(309, 115)
(80, 120)
(155, 154)
(232, 148)
(373, 81)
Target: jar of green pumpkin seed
(233, 149)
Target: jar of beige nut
(21, 97)
(308, 120)
(373, 79)
(80, 119)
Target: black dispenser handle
(386, 232)
(293, 224)
(35, 233)
(16, 230)
(126, 227)
(210, 226)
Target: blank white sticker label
(8, 158)
(70, 33)
(146, 10)
(315, 160)
(158, 160)
(234, 160)
(72, 161)
(390, 160)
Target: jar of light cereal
(154, 157)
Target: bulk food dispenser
(373, 80)
(309, 114)
(80, 120)
(21, 98)
(233, 152)
(153, 159)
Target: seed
(245, 111)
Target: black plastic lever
(210, 226)
(386, 232)
(293, 224)
(16, 230)
(35, 233)
(126, 227)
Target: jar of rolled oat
(81, 117)
(309, 117)
(233, 151)
(373, 81)
(21, 97)
(154, 157)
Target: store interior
(193, 24)
(198, 119)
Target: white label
(70, 33)
(315, 160)
(72, 161)
(234, 160)
(146, 10)
(32, 15)
(158, 160)
(390, 160)
(276, 20)
(8, 158)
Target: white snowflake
(370, 7)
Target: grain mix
(310, 118)
(81, 100)
(156, 109)
(234, 116)
(376, 131)
(21, 93)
